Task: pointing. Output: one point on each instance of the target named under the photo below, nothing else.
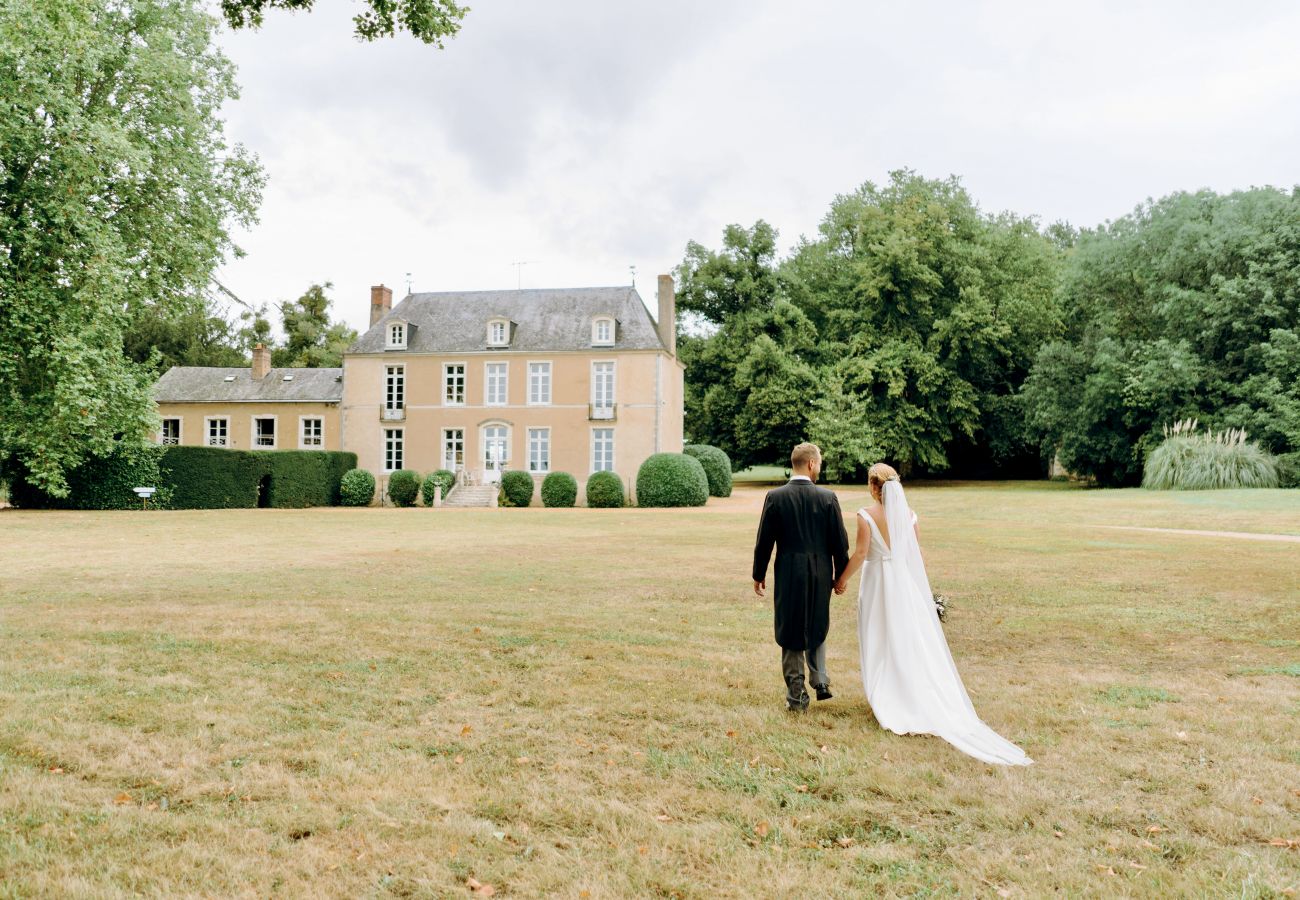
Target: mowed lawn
(588, 703)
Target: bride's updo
(878, 474)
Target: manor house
(576, 380)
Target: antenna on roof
(632, 269)
(519, 271)
(408, 282)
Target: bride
(907, 670)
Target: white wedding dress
(907, 670)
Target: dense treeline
(916, 328)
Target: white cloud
(587, 136)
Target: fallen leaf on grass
(1101, 867)
(1181, 735)
(663, 817)
(801, 788)
(1059, 834)
(1258, 801)
(57, 770)
(761, 829)
(1149, 845)
(1003, 892)
(458, 760)
(1154, 829)
(478, 887)
(122, 799)
(1284, 842)
(754, 761)
(466, 729)
(731, 734)
(522, 761)
(845, 841)
(1138, 866)
(334, 676)
(643, 849)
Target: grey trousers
(792, 666)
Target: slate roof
(207, 384)
(547, 319)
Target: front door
(495, 452)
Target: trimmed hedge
(357, 488)
(302, 478)
(559, 489)
(404, 487)
(605, 491)
(516, 488)
(98, 483)
(444, 477)
(671, 479)
(213, 477)
(717, 467)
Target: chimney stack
(667, 313)
(381, 301)
(261, 362)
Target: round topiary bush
(356, 488)
(717, 467)
(404, 487)
(604, 491)
(516, 488)
(559, 489)
(444, 477)
(671, 479)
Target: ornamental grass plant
(1190, 460)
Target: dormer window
(498, 333)
(396, 336)
(602, 332)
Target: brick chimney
(668, 313)
(381, 301)
(261, 362)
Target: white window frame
(596, 340)
(464, 383)
(386, 452)
(539, 439)
(207, 431)
(252, 432)
(613, 449)
(550, 370)
(302, 433)
(180, 430)
(613, 382)
(448, 461)
(389, 372)
(395, 336)
(505, 333)
(487, 383)
(483, 442)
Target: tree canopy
(311, 339)
(432, 21)
(118, 190)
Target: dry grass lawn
(587, 703)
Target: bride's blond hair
(878, 474)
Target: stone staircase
(472, 495)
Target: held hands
(841, 585)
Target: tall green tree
(1188, 307)
(311, 339)
(432, 21)
(118, 189)
(740, 277)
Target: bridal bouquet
(941, 606)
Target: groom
(805, 523)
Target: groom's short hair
(803, 454)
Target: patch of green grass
(1292, 669)
(1136, 697)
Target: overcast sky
(586, 136)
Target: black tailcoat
(805, 523)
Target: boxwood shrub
(98, 483)
(671, 479)
(213, 477)
(516, 488)
(404, 487)
(604, 491)
(559, 489)
(357, 488)
(717, 467)
(444, 477)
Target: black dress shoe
(823, 691)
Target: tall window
(264, 431)
(497, 334)
(394, 387)
(453, 384)
(496, 384)
(453, 448)
(539, 383)
(602, 332)
(602, 390)
(313, 433)
(171, 432)
(393, 449)
(602, 449)
(496, 448)
(218, 431)
(539, 449)
(397, 336)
